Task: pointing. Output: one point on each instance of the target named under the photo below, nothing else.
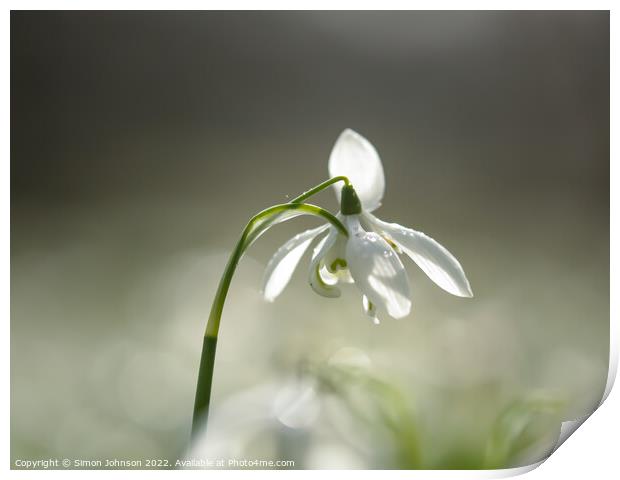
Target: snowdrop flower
(353, 247)
(369, 256)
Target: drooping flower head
(369, 256)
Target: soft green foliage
(379, 406)
(523, 432)
(526, 424)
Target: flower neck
(354, 227)
(349, 201)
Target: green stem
(205, 378)
(300, 198)
(256, 224)
(213, 323)
(319, 187)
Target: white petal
(434, 259)
(354, 157)
(377, 270)
(315, 278)
(282, 265)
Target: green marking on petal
(339, 263)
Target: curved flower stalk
(255, 227)
(369, 255)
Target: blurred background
(142, 142)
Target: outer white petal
(356, 158)
(282, 265)
(434, 259)
(315, 278)
(377, 270)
